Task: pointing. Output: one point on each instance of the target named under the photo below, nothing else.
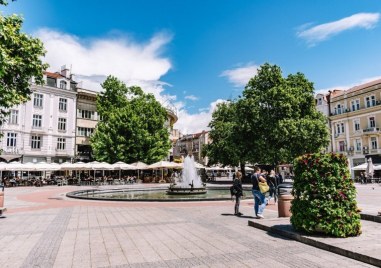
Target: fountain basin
(154, 195)
(186, 191)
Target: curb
(306, 240)
(367, 217)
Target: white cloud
(134, 63)
(194, 123)
(240, 76)
(92, 61)
(191, 97)
(324, 31)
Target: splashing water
(189, 174)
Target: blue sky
(195, 54)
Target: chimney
(65, 72)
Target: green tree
(20, 61)
(281, 116)
(228, 135)
(132, 126)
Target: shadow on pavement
(242, 216)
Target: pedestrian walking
(260, 200)
(238, 192)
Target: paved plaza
(43, 228)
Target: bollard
(2, 208)
(284, 199)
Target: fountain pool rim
(83, 194)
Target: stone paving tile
(149, 235)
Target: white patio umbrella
(164, 164)
(360, 167)
(95, 165)
(122, 166)
(198, 165)
(139, 166)
(43, 166)
(370, 168)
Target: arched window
(63, 84)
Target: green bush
(324, 196)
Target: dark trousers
(236, 207)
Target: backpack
(233, 190)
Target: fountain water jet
(190, 182)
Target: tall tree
(282, 116)
(229, 143)
(132, 126)
(20, 61)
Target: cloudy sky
(194, 54)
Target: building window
(340, 128)
(370, 101)
(37, 100)
(37, 121)
(51, 82)
(35, 142)
(86, 114)
(339, 109)
(63, 84)
(84, 132)
(373, 141)
(11, 139)
(61, 142)
(358, 144)
(355, 105)
(13, 117)
(372, 122)
(356, 124)
(320, 101)
(62, 105)
(341, 146)
(62, 124)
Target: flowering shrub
(324, 196)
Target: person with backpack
(237, 191)
(272, 182)
(260, 200)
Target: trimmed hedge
(324, 196)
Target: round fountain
(190, 182)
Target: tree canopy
(132, 126)
(274, 121)
(20, 61)
(228, 146)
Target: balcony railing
(348, 110)
(371, 130)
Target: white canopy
(75, 166)
(123, 166)
(139, 165)
(216, 168)
(360, 167)
(43, 166)
(100, 166)
(164, 164)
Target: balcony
(371, 130)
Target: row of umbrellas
(43, 166)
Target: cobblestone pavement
(45, 229)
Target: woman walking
(237, 185)
(260, 200)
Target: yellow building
(355, 117)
